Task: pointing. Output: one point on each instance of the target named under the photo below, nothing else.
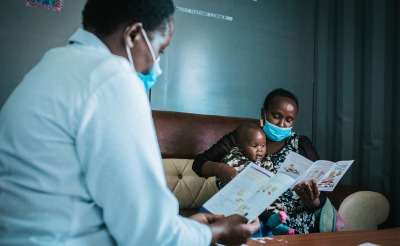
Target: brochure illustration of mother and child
(327, 173)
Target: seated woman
(278, 116)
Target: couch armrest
(364, 210)
(342, 191)
(191, 190)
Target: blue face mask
(276, 133)
(150, 79)
(155, 71)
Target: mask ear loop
(149, 45)
(262, 120)
(128, 51)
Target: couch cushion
(191, 190)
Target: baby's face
(254, 145)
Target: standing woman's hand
(206, 218)
(308, 193)
(233, 229)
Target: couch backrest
(185, 135)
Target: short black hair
(106, 16)
(242, 130)
(280, 92)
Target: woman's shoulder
(300, 138)
(306, 148)
(304, 139)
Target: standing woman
(79, 158)
(277, 118)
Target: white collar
(84, 37)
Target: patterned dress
(299, 217)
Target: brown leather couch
(182, 136)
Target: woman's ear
(131, 33)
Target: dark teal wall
(26, 33)
(227, 65)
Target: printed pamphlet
(327, 173)
(255, 188)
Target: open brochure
(249, 193)
(255, 188)
(327, 173)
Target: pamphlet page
(265, 196)
(329, 181)
(295, 165)
(249, 193)
(326, 173)
(317, 171)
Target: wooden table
(376, 237)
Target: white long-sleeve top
(79, 159)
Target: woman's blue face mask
(151, 78)
(276, 133)
(154, 72)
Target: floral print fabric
(299, 217)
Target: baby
(250, 142)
